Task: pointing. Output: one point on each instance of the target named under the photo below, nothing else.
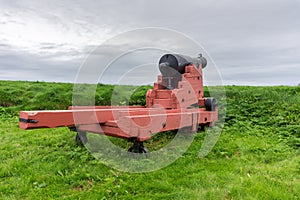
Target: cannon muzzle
(172, 64)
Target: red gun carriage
(176, 101)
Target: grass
(256, 157)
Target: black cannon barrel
(171, 64)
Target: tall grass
(256, 157)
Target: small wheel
(138, 150)
(204, 127)
(131, 150)
(138, 147)
(210, 104)
(146, 151)
(81, 138)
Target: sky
(249, 42)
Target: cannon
(176, 101)
(173, 65)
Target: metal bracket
(33, 121)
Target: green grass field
(256, 157)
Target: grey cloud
(255, 42)
(26, 66)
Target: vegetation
(256, 157)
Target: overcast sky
(252, 42)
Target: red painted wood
(165, 110)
